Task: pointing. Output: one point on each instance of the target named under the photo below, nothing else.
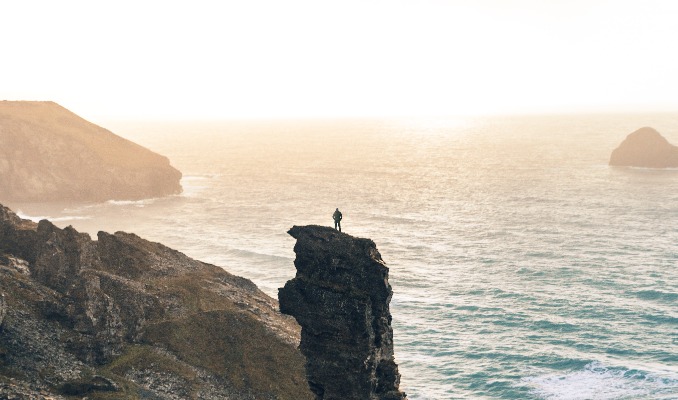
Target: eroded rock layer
(340, 297)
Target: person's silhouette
(337, 219)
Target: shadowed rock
(47, 153)
(340, 297)
(645, 148)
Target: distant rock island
(340, 297)
(124, 318)
(47, 153)
(645, 148)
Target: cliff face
(340, 297)
(125, 318)
(645, 148)
(47, 153)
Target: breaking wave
(601, 382)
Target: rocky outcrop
(47, 153)
(645, 148)
(340, 297)
(125, 318)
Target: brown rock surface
(47, 153)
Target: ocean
(522, 265)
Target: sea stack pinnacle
(340, 297)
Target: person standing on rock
(337, 219)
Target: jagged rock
(47, 153)
(340, 297)
(645, 148)
(14, 390)
(127, 315)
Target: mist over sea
(523, 266)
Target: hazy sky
(281, 58)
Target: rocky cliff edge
(124, 318)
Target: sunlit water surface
(523, 267)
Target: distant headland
(645, 148)
(48, 153)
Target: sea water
(522, 265)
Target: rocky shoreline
(121, 317)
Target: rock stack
(645, 148)
(340, 297)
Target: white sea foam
(30, 217)
(600, 382)
(70, 218)
(136, 203)
(193, 185)
(39, 218)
